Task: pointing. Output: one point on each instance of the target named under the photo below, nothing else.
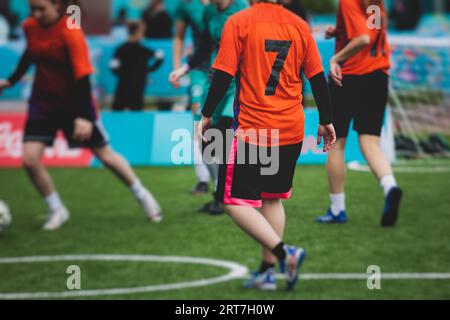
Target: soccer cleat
(262, 281)
(330, 218)
(213, 208)
(56, 219)
(151, 207)
(391, 207)
(201, 188)
(291, 265)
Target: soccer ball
(5, 216)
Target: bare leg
(336, 167)
(38, 174)
(117, 164)
(371, 149)
(273, 211)
(254, 224)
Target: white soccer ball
(5, 215)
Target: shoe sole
(390, 217)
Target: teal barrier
(155, 138)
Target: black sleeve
(322, 97)
(83, 96)
(156, 63)
(219, 86)
(22, 68)
(203, 52)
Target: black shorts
(362, 99)
(45, 130)
(247, 183)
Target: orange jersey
(266, 47)
(61, 57)
(352, 21)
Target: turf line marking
(236, 272)
(356, 166)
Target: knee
(31, 161)
(369, 146)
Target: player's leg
(336, 168)
(38, 135)
(122, 169)
(197, 92)
(273, 212)
(98, 143)
(369, 126)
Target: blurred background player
(189, 14)
(62, 100)
(266, 47)
(131, 65)
(359, 89)
(158, 21)
(214, 18)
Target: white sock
(337, 203)
(388, 182)
(53, 201)
(138, 189)
(201, 170)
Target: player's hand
(82, 130)
(336, 72)
(176, 75)
(328, 134)
(4, 84)
(330, 32)
(203, 125)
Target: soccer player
(359, 89)
(62, 100)
(131, 65)
(214, 18)
(265, 48)
(189, 13)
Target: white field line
(236, 271)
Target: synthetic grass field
(106, 220)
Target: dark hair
(133, 27)
(64, 4)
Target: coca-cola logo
(10, 141)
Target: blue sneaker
(391, 207)
(291, 266)
(262, 281)
(330, 218)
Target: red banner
(60, 155)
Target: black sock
(279, 252)
(265, 266)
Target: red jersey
(61, 57)
(352, 21)
(266, 47)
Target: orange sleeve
(354, 18)
(79, 53)
(229, 55)
(312, 64)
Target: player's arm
(202, 53)
(313, 69)
(357, 32)
(178, 42)
(21, 70)
(116, 63)
(225, 68)
(158, 59)
(84, 115)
